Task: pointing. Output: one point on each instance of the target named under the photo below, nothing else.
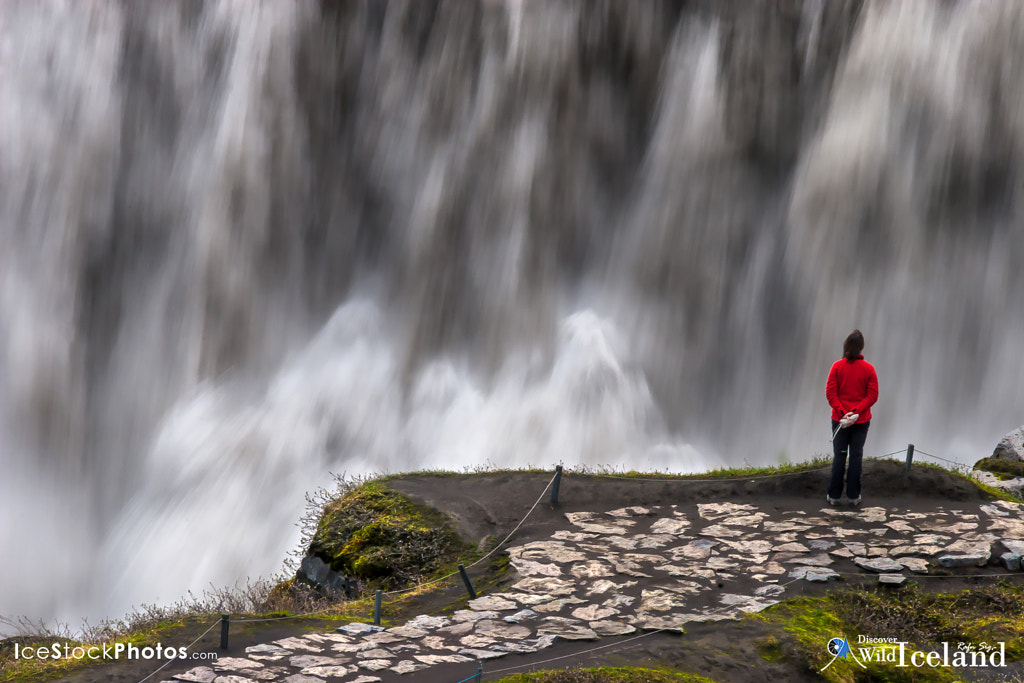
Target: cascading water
(244, 245)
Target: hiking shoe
(831, 501)
(855, 502)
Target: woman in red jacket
(851, 390)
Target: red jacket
(852, 387)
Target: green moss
(801, 628)
(770, 648)
(381, 536)
(1001, 467)
(605, 674)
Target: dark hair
(853, 345)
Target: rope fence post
(224, 621)
(479, 673)
(376, 607)
(465, 580)
(554, 487)
(910, 456)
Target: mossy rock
(1004, 468)
(384, 538)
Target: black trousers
(849, 441)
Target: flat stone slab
(496, 604)
(611, 628)
(356, 629)
(1011, 561)
(481, 655)
(200, 674)
(878, 564)
(975, 560)
(891, 579)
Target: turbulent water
(243, 245)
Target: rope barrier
(420, 585)
(617, 645)
(169, 661)
(952, 462)
(476, 676)
(489, 553)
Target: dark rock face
(316, 572)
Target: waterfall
(244, 245)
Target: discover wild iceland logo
(895, 652)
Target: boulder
(1011, 446)
(1011, 561)
(315, 572)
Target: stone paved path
(641, 568)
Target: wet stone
(383, 638)
(915, 564)
(374, 664)
(355, 629)
(822, 560)
(200, 674)
(813, 574)
(492, 603)
(429, 622)
(878, 564)
(549, 586)
(1011, 561)
(520, 616)
(591, 569)
(430, 660)
(379, 653)
(975, 560)
(554, 551)
(792, 548)
(533, 568)
(407, 632)
(565, 629)
(717, 510)
(557, 605)
(670, 526)
(481, 654)
(407, 667)
(654, 541)
(333, 671)
(611, 628)
(593, 612)
(891, 579)
(267, 649)
(236, 663)
(303, 661)
(1014, 546)
(619, 600)
(303, 678)
(720, 531)
(500, 630)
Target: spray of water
(243, 245)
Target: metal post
(469, 584)
(224, 620)
(479, 673)
(376, 607)
(910, 455)
(554, 487)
